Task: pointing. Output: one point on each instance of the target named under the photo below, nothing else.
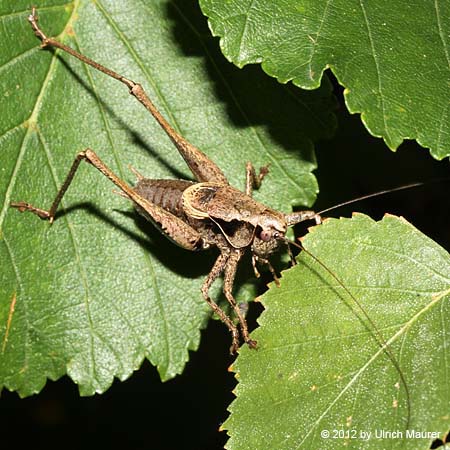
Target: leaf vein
(377, 68)
(170, 117)
(389, 250)
(17, 58)
(12, 180)
(353, 380)
(27, 11)
(318, 34)
(244, 27)
(441, 31)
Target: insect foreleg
(258, 259)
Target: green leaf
(319, 364)
(100, 290)
(393, 58)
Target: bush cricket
(195, 215)
(201, 214)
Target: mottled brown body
(197, 214)
(164, 193)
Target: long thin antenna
(381, 341)
(383, 192)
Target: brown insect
(195, 215)
(204, 213)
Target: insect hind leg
(202, 167)
(182, 233)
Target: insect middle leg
(253, 181)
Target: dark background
(186, 412)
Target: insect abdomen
(164, 193)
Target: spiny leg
(253, 181)
(183, 234)
(228, 283)
(214, 273)
(200, 165)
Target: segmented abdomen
(164, 193)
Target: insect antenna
(383, 192)
(378, 336)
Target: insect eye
(276, 235)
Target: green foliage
(392, 57)
(100, 289)
(320, 365)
